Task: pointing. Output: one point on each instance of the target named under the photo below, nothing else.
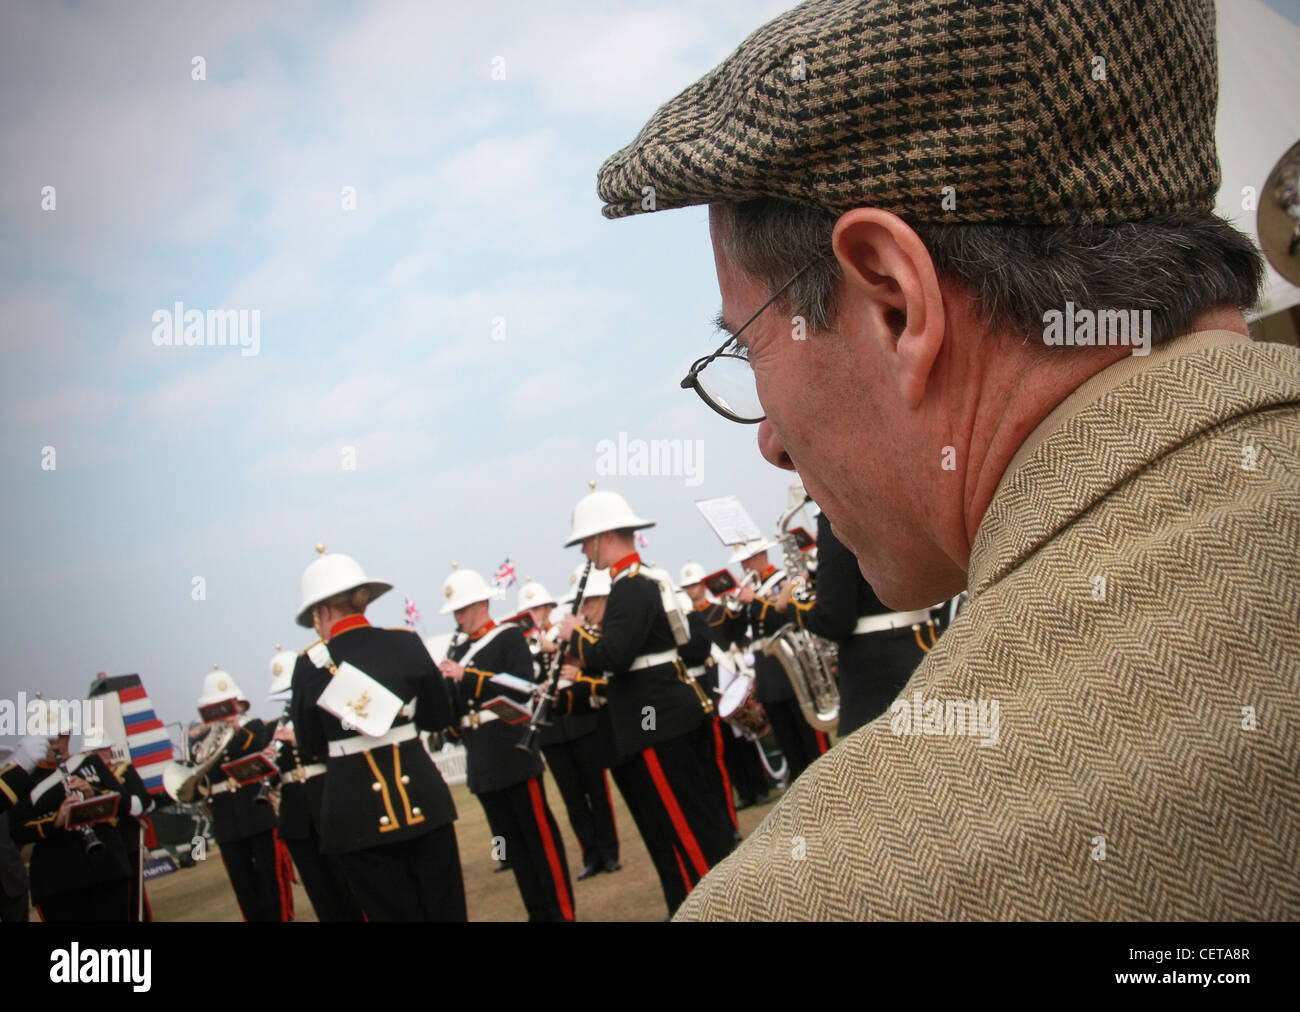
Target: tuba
(184, 781)
(810, 662)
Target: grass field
(203, 893)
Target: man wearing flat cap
(968, 251)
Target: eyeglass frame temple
(701, 363)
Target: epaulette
(303, 651)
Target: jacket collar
(616, 569)
(345, 624)
(483, 630)
(1188, 391)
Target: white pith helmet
(692, 572)
(330, 575)
(748, 549)
(219, 685)
(465, 587)
(534, 595)
(281, 670)
(598, 584)
(600, 513)
(98, 737)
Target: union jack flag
(505, 575)
(412, 613)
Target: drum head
(734, 697)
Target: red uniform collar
(627, 561)
(483, 630)
(344, 624)
(767, 572)
(702, 606)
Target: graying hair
(1177, 266)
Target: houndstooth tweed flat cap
(1032, 111)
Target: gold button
(415, 811)
(406, 778)
(376, 786)
(383, 820)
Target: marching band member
(766, 610)
(491, 663)
(131, 820)
(744, 769)
(243, 829)
(16, 769)
(667, 764)
(76, 874)
(302, 785)
(384, 810)
(878, 648)
(697, 654)
(573, 755)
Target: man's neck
(1026, 390)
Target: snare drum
(741, 710)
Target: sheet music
(729, 520)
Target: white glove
(137, 806)
(32, 750)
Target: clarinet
(90, 841)
(544, 701)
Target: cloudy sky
(436, 367)
(466, 336)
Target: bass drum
(741, 710)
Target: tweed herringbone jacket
(1135, 589)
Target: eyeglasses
(730, 389)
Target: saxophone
(811, 662)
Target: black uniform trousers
(580, 776)
(799, 741)
(746, 769)
(325, 883)
(254, 875)
(412, 880)
(136, 903)
(675, 793)
(104, 901)
(533, 847)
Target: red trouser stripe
(548, 843)
(669, 800)
(677, 854)
(823, 743)
(283, 876)
(722, 768)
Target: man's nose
(770, 447)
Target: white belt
(892, 620)
(650, 660)
(364, 743)
(301, 774)
(696, 672)
(224, 786)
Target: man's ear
(888, 272)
